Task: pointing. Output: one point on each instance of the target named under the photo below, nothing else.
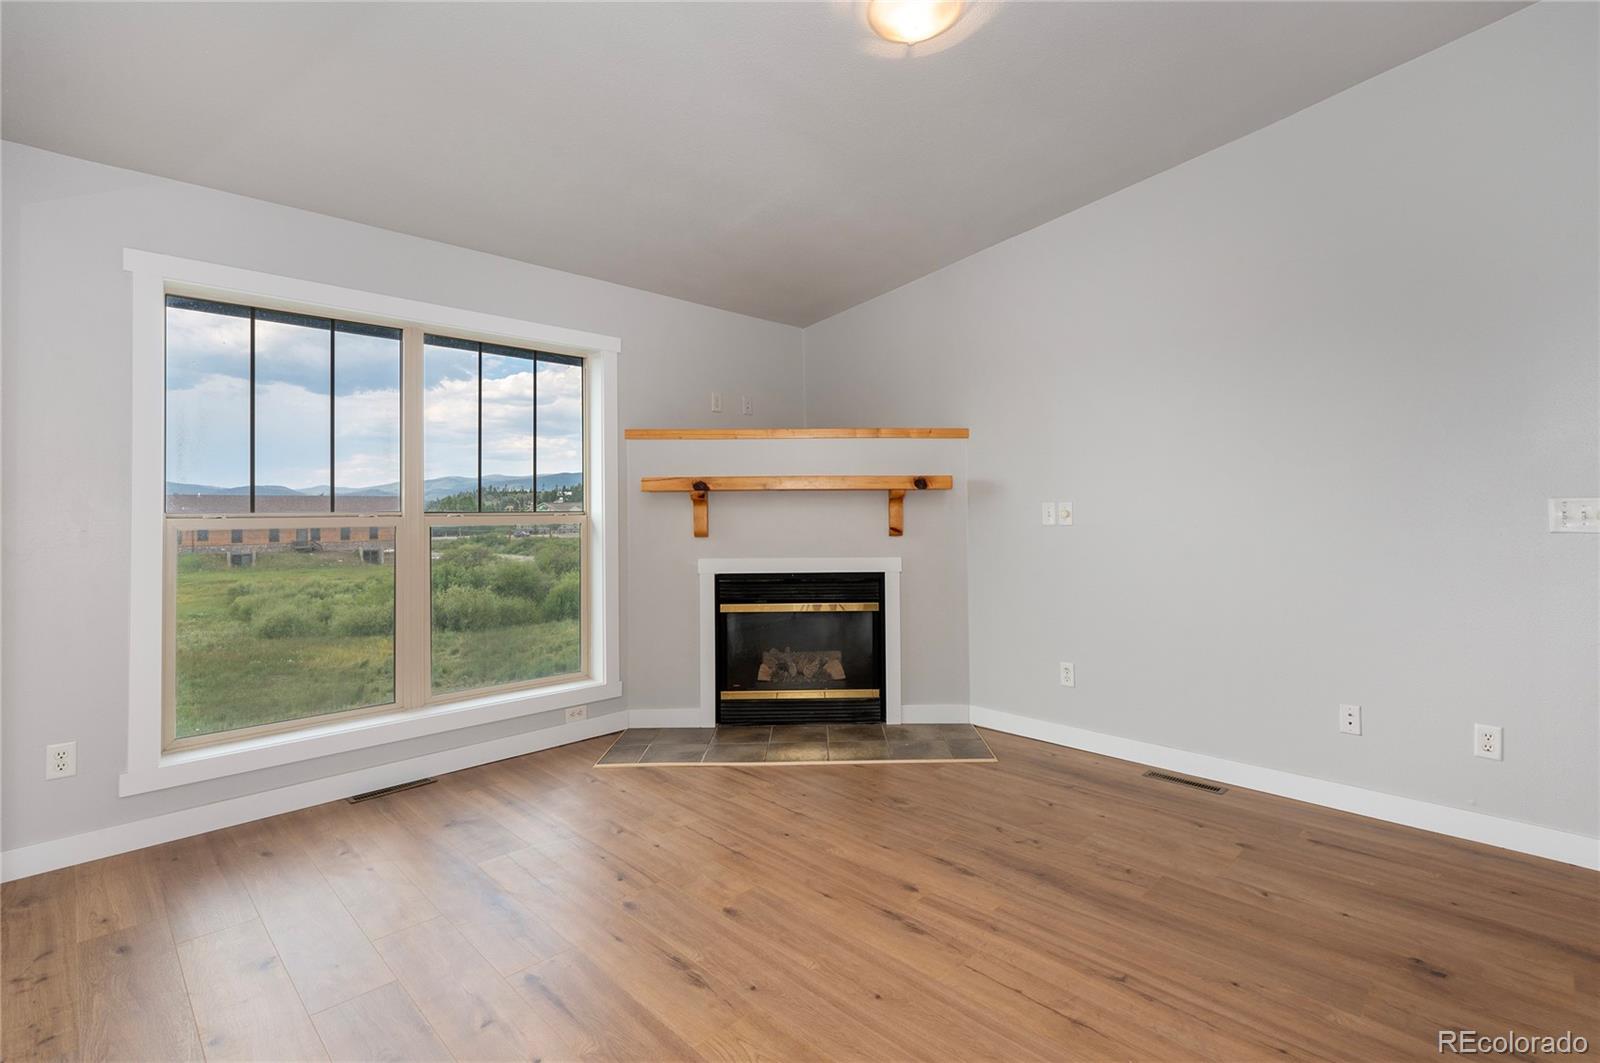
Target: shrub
(519, 579)
(365, 618)
(286, 622)
(478, 609)
(564, 600)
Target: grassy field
(505, 608)
(303, 634)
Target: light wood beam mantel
(699, 489)
(797, 433)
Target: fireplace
(799, 647)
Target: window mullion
(252, 410)
(412, 559)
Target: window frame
(156, 758)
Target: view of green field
(505, 604)
(296, 634)
(310, 631)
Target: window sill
(224, 759)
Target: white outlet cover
(61, 760)
(747, 404)
(1069, 676)
(1350, 719)
(1488, 741)
(577, 712)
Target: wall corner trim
(141, 833)
(1529, 838)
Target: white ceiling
(773, 159)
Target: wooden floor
(1052, 905)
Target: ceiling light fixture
(912, 21)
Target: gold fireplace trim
(789, 695)
(802, 607)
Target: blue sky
(208, 407)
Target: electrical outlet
(1350, 719)
(1068, 678)
(1575, 514)
(1486, 741)
(1063, 512)
(716, 402)
(747, 405)
(577, 712)
(1049, 513)
(61, 760)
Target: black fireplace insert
(800, 647)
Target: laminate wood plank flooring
(1053, 904)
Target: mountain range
(433, 489)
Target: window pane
(560, 433)
(292, 413)
(450, 425)
(277, 627)
(366, 418)
(208, 407)
(506, 602)
(507, 430)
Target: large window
(364, 516)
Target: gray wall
(66, 424)
(1309, 393)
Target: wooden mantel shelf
(797, 433)
(699, 489)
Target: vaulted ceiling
(770, 158)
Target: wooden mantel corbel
(699, 489)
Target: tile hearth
(797, 744)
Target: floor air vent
(387, 790)
(1208, 787)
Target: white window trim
(148, 768)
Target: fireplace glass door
(800, 648)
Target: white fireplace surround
(711, 567)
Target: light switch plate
(1063, 512)
(716, 402)
(1049, 513)
(1575, 514)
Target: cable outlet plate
(1350, 719)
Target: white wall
(661, 597)
(1309, 393)
(66, 423)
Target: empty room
(850, 530)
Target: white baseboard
(1510, 834)
(124, 837)
(936, 714)
(697, 718)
